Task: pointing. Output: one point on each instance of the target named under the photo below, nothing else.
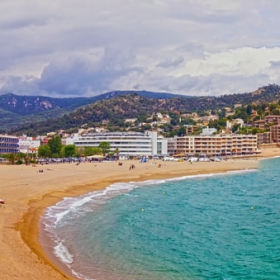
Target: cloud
(82, 75)
(70, 48)
(275, 64)
(171, 62)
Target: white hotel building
(128, 143)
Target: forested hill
(16, 110)
(133, 105)
(24, 105)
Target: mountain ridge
(16, 110)
(133, 105)
(14, 119)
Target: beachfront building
(171, 146)
(9, 144)
(127, 143)
(28, 144)
(264, 138)
(217, 145)
(275, 133)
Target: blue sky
(68, 48)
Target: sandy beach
(27, 193)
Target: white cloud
(67, 47)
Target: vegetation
(111, 109)
(16, 110)
(91, 151)
(44, 151)
(104, 147)
(19, 158)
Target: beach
(28, 192)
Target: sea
(213, 226)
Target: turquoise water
(213, 227)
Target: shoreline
(147, 183)
(20, 218)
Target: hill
(16, 110)
(132, 105)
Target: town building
(208, 131)
(238, 121)
(28, 144)
(261, 124)
(254, 114)
(127, 143)
(171, 146)
(9, 144)
(190, 128)
(264, 138)
(275, 133)
(44, 140)
(130, 120)
(216, 145)
(272, 119)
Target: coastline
(28, 193)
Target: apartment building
(28, 144)
(227, 144)
(264, 138)
(127, 143)
(190, 129)
(275, 119)
(275, 133)
(171, 146)
(9, 144)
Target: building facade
(208, 131)
(275, 119)
(264, 138)
(9, 144)
(275, 133)
(28, 144)
(171, 146)
(127, 143)
(217, 145)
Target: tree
(55, 145)
(80, 151)
(90, 151)
(249, 109)
(117, 151)
(175, 119)
(44, 151)
(235, 127)
(22, 156)
(181, 131)
(105, 147)
(69, 150)
(222, 113)
(11, 158)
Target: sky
(70, 48)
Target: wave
(57, 216)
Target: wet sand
(27, 193)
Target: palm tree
(117, 152)
(22, 156)
(11, 158)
